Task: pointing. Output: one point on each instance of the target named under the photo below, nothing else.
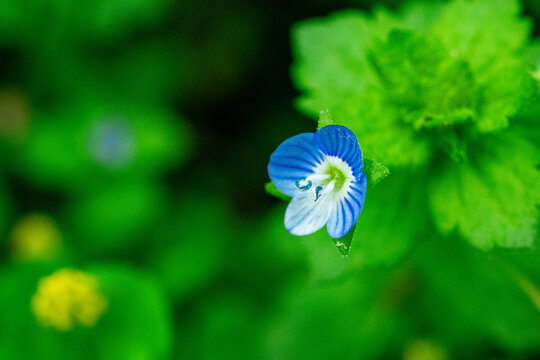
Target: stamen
(318, 194)
(317, 177)
(330, 187)
(303, 184)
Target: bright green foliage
(428, 90)
(325, 119)
(489, 36)
(391, 76)
(375, 172)
(492, 199)
(391, 221)
(336, 74)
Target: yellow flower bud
(35, 237)
(68, 298)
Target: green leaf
(493, 198)
(464, 286)
(394, 215)
(490, 36)
(401, 81)
(485, 33)
(527, 123)
(375, 172)
(349, 86)
(343, 244)
(325, 119)
(271, 189)
(327, 62)
(430, 88)
(508, 90)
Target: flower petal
(295, 158)
(348, 209)
(305, 216)
(337, 140)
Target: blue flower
(322, 172)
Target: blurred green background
(134, 140)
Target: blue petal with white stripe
(293, 160)
(348, 209)
(337, 140)
(323, 174)
(304, 216)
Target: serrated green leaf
(492, 199)
(430, 88)
(349, 86)
(490, 37)
(398, 81)
(484, 33)
(271, 189)
(527, 124)
(375, 172)
(326, 44)
(506, 92)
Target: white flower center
(332, 176)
